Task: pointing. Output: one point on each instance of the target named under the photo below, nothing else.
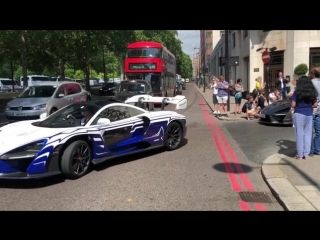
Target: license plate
(262, 116)
(19, 114)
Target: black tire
(53, 110)
(71, 168)
(173, 129)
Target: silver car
(45, 98)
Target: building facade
(293, 48)
(208, 40)
(195, 64)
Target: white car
(82, 134)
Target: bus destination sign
(142, 66)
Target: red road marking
(231, 174)
(244, 206)
(260, 207)
(244, 178)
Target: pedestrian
(238, 96)
(303, 100)
(258, 87)
(294, 83)
(274, 96)
(214, 95)
(250, 110)
(281, 85)
(222, 95)
(314, 74)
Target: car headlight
(28, 151)
(39, 107)
(7, 108)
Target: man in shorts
(222, 95)
(249, 109)
(214, 95)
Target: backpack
(244, 108)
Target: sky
(190, 39)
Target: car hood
(21, 133)
(27, 102)
(277, 106)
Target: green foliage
(301, 69)
(79, 54)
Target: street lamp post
(198, 68)
(268, 70)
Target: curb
(286, 194)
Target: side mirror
(43, 115)
(103, 121)
(61, 95)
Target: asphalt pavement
(209, 172)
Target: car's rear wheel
(173, 136)
(76, 158)
(53, 110)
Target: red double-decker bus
(153, 62)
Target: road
(206, 173)
(259, 141)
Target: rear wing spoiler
(180, 101)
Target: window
(114, 113)
(72, 88)
(144, 52)
(221, 33)
(245, 33)
(135, 112)
(208, 34)
(233, 40)
(208, 46)
(277, 58)
(314, 60)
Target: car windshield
(132, 88)
(38, 92)
(70, 116)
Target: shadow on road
(232, 168)
(286, 147)
(133, 157)
(45, 182)
(30, 183)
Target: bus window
(143, 52)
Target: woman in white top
(214, 94)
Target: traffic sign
(265, 57)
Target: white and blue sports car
(81, 134)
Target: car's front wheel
(76, 160)
(173, 136)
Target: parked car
(108, 89)
(46, 98)
(80, 135)
(277, 113)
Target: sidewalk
(295, 183)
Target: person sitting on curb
(250, 110)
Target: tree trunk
(62, 69)
(24, 58)
(87, 76)
(122, 77)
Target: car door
(120, 135)
(60, 102)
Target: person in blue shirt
(303, 100)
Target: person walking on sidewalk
(314, 74)
(222, 96)
(238, 96)
(303, 100)
(214, 95)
